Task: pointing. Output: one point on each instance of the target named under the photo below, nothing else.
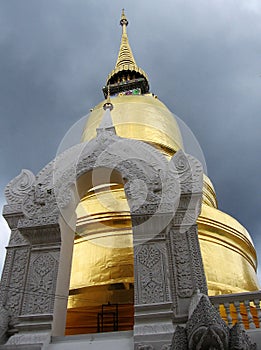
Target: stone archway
(164, 200)
(135, 161)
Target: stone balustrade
(241, 308)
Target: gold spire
(125, 56)
(126, 69)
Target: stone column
(184, 258)
(153, 301)
(167, 259)
(15, 269)
(28, 289)
(34, 320)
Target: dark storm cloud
(202, 58)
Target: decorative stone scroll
(17, 188)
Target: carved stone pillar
(28, 285)
(15, 269)
(185, 263)
(153, 301)
(34, 321)
(17, 252)
(167, 258)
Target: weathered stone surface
(239, 340)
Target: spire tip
(123, 20)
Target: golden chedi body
(102, 266)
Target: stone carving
(189, 175)
(185, 262)
(39, 200)
(179, 340)
(185, 282)
(149, 256)
(239, 340)
(196, 260)
(132, 159)
(155, 328)
(5, 318)
(54, 187)
(29, 338)
(208, 338)
(152, 186)
(170, 194)
(188, 171)
(6, 276)
(11, 209)
(178, 243)
(181, 168)
(19, 186)
(206, 328)
(165, 347)
(43, 265)
(145, 347)
(42, 273)
(197, 174)
(12, 218)
(151, 274)
(17, 239)
(17, 280)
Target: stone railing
(242, 308)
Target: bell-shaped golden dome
(102, 266)
(140, 117)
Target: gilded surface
(228, 253)
(104, 255)
(140, 117)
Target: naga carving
(239, 340)
(205, 330)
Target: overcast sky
(203, 59)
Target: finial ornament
(126, 76)
(123, 21)
(106, 122)
(108, 104)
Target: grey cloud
(202, 58)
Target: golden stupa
(102, 266)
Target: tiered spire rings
(126, 70)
